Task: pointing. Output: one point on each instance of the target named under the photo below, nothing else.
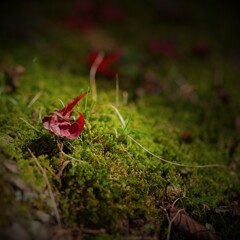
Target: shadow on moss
(44, 145)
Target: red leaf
(58, 122)
(162, 47)
(106, 67)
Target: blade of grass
(93, 72)
(158, 157)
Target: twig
(48, 185)
(93, 71)
(173, 163)
(170, 222)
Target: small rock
(27, 195)
(43, 217)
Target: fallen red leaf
(106, 67)
(58, 122)
(162, 47)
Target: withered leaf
(187, 226)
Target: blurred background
(128, 20)
(133, 32)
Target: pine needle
(48, 186)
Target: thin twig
(173, 163)
(93, 71)
(48, 185)
(171, 222)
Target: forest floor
(160, 145)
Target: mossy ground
(111, 185)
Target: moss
(110, 181)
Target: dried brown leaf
(188, 226)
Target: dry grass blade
(93, 71)
(30, 125)
(72, 158)
(156, 156)
(35, 98)
(48, 186)
(59, 174)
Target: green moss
(111, 182)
